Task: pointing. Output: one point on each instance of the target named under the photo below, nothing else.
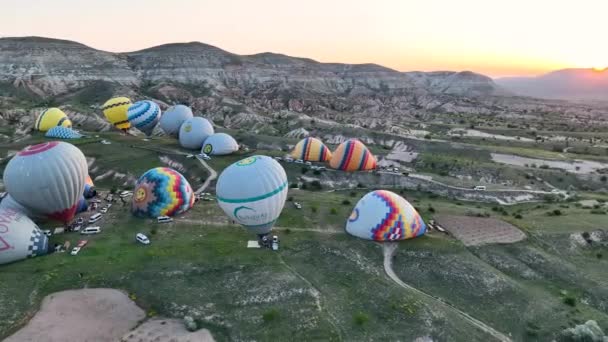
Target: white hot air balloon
(144, 115)
(47, 178)
(252, 192)
(173, 118)
(20, 238)
(193, 132)
(220, 144)
(9, 202)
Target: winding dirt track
(389, 250)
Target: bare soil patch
(475, 231)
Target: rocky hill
(245, 91)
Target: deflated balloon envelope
(20, 237)
(173, 118)
(384, 216)
(252, 192)
(47, 178)
(161, 191)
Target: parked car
(189, 156)
(103, 210)
(141, 238)
(308, 163)
(125, 194)
(91, 230)
(164, 219)
(297, 205)
(288, 159)
(299, 161)
(82, 243)
(95, 218)
(76, 228)
(556, 191)
(275, 243)
(204, 156)
(80, 220)
(75, 250)
(278, 158)
(479, 187)
(109, 205)
(47, 232)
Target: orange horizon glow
(492, 37)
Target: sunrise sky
(493, 37)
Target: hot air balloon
(220, 144)
(20, 238)
(193, 132)
(173, 118)
(311, 149)
(384, 216)
(50, 118)
(82, 205)
(161, 192)
(252, 192)
(9, 203)
(352, 155)
(144, 115)
(60, 132)
(47, 178)
(115, 111)
(89, 188)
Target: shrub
(518, 216)
(557, 212)
(153, 231)
(314, 209)
(293, 185)
(270, 315)
(360, 318)
(316, 185)
(428, 136)
(316, 172)
(599, 255)
(598, 211)
(346, 202)
(290, 199)
(360, 185)
(353, 194)
(431, 209)
(585, 235)
(333, 211)
(604, 178)
(569, 300)
(544, 166)
(287, 231)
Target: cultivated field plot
(475, 231)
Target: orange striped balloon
(311, 149)
(352, 155)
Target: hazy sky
(494, 37)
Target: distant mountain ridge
(567, 84)
(48, 66)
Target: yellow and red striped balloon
(311, 149)
(352, 155)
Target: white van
(164, 219)
(90, 230)
(95, 218)
(479, 187)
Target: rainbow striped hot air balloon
(384, 216)
(311, 149)
(352, 155)
(161, 192)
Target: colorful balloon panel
(384, 216)
(20, 237)
(161, 192)
(50, 118)
(60, 132)
(116, 112)
(173, 118)
(220, 144)
(89, 188)
(352, 155)
(252, 192)
(311, 149)
(144, 115)
(47, 178)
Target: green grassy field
(322, 284)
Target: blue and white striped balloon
(60, 132)
(144, 115)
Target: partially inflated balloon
(311, 149)
(50, 118)
(60, 132)
(220, 144)
(252, 192)
(9, 203)
(193, 132)
(384, 216)
(144, 115)
(20, 238)
(115, 111)
(47, 178)
(173, 118)
(352, 155)
(161, 192)
(89, 188)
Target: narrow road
(389, 250)
(212, 175)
